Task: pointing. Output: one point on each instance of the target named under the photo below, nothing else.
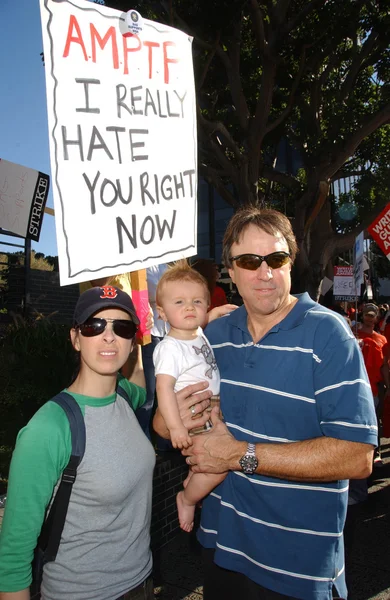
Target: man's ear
(161, 313)
(231, 275)
(74, 338)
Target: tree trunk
(312, 259)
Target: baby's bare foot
(186, 513)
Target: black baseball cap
(98, 298)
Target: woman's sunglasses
(95, 326)
(252, 262)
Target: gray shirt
(105, 545)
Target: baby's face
(184, 304)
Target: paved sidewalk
(368, 562)
(179, 571)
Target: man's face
(369, 319)
(265, 290)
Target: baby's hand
(180, 438)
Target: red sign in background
(380, 230)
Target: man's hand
(192, 402)
(216, 451)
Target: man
(370, 316)
(374, 347)
(299, 422)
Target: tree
(313, 76)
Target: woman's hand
(149, 321)
(220, 311)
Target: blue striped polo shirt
(304, 379)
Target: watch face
(249, 463)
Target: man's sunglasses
(252, 262)
(95, 326)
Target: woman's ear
(133, 345)
(74, 338)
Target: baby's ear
(161, 313)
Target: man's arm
(318, 459)
(385, 367)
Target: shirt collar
(239, 317)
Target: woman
(104, 552)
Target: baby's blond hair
(180, 271)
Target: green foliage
(40, 262)
(292, 96)
(36, 362)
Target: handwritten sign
(23, 195)
(344, 284)
(380, 230)
(122, 128)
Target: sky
(23, 117)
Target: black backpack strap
(49, 539)
(119, 390)
(76, 422)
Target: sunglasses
(252, 262)
(95, 326)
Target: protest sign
(344, 285)
(122, 129)
(23, 195)
(358, 255)
(380, 230)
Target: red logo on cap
(108, 292)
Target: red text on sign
(158, 57)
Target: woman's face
(106, 353)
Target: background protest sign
(358, 255)
(23, 195)
(344, 284)
(380, 230)
(122, 129)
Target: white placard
(23, 195)
(344, 284)
(325, 285)
(122, 128)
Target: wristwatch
(249, 462)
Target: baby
(182, 358)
